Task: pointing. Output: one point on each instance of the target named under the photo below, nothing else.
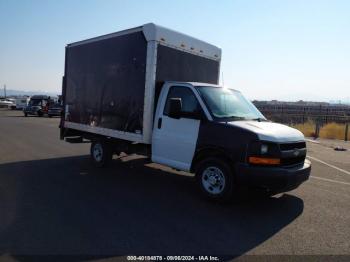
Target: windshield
(35, 102)
(229, 104)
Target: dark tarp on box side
(105, 82)
(176, 65)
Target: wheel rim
(97, 152)
(213, 180)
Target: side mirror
(175, 107)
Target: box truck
(153, 91)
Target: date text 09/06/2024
(172, 258)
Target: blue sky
(277, 49)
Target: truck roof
(193, 83)
(39, 97)
(199, 84)
(164, 36)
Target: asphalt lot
(54, 202)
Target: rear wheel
(215, 179)
(40, 114)
(25, 114)
(50, 116)
(101, 153)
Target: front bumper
(273, 179)
(30, 110)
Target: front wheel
(101, 153)
(215, 179)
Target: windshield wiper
(233, 117)
(259, 119)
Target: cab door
(174, 139)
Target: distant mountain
(11, 92)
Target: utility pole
(5, 91)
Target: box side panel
(105, 83)
(177, 65)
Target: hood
(269, 131)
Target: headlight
(263, 153)
(264, 149)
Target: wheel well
(211, 152)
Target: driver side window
(188, 99)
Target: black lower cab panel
(273, 179)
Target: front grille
(291, 146)
(292, 161)
(289, 159)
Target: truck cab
(221, 136)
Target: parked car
(38, 105)
(6, 103)
(155, 92)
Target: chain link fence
(319, 116)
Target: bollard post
(346, 131)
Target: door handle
(159, 123)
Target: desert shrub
(330, 131)
(333, 131)
(308, 128)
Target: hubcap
(97, 152)
(213, 180)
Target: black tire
(25, 114)
(40, 114)
(215, 179)
(49, 116)
(105, 154)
